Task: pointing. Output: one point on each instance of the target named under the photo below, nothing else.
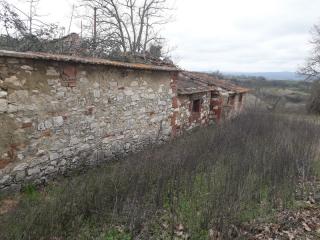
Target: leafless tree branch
(312, 67)
(133, 21)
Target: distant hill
(269, 75)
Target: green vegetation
(212, 178)
(279, 95)
(116, 235)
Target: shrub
(313, 105)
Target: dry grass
(210, 178)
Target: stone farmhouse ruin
(204, 99)
(59, 113)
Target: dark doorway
(196, 106)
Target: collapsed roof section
(195, 82)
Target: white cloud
(247, 35)
(230, 35)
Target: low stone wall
(56, 116)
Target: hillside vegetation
(278, 95)
(205, 182)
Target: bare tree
(130, 26)
(25, 22)
(312, 72)
(24, 30)
(11, 21)
(312, 67)
(313, 104)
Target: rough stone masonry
(57, 114)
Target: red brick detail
(13, 148)
(4, 163)
(173, 119)
(216, 107)
(17, 146)
(175, 105)
(89, 111)
(174, 125)
(26, 125)
(72, 84)
(69, 76)
(175, 102)
(46, 133)
(70, 71)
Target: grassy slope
(212, 178)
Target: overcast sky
(229, 35)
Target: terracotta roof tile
(85, 60)
(195, 82)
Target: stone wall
(187, 119)
(215, 106)
(232, 105)
(56, 116)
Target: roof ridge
(86, 60)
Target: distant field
(270, 75)
(278, 95)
